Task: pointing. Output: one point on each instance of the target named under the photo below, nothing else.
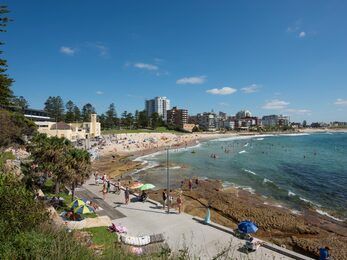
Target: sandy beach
(304, 233)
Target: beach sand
(304, 233)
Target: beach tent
(76, 203)
(247, 227)
(84, 209)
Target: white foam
(150, 164)
(291, 194)
(310, 202)
(296, 134)
(328, 215)
(246, 145)
(175, 167)
(249, 171)
(296, 212)
(260, 139)
(243, 151)
(267, 180)
(249, 189)
(238, 138)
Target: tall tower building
(159, 105)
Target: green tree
(129, 120)
(79, 167)
(304, 123)
(155, 120)
(54, 106)
(19, 210)
(70, 115)
(50, 154)
(20, 102)
(136, 119)
(87, 110)
(14, 127)
(111, 116)
(77, 114)
(143, 119)
(102, 120)
(5, 81)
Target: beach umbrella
(136, 185)
(76, 203)
(84, 209)
(247, 227)
(147, 186)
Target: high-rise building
(159, 105)
(275, 120)
(177, 117)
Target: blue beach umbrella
(247, 227)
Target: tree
(155, 120)
(79, 167)
(19, 211)
(111, 116)
(54, 106)
(5, 81)
(20, 102)
(70, 115)
(304, 123)
(143, 119)
(50, 154)
(136, 119)
(77, 114)
(13, 128)
(87, 110)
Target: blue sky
(286, 57)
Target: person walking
(108, 185)
(179, 203)
(126, 195)
(164, 198)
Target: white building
(159, 105)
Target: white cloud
(341, 102)
(103, 50)
(67, 50)
(191, 80)
(99, 92)
(276, 104)
(223, 104)
(250, 89)
(298, 111)
(302, 35)
(221, 91)
(145, 66)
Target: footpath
(180, 230)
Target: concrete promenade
(180, 230)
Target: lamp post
(168, 180)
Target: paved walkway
(180, 230)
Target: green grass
(130, 131)
(5, 156)
(101, 236)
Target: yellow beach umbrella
(84, 209)
(76, 203)
(136, 185)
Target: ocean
(294, 171)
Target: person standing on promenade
(126, 195)
(108, 185)
(104, 191)
(197, 182)
(190, 184)
(96, 178)
(179, 203)
(164, 198)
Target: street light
(168, 180)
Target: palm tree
(79, 166)
(51, 156)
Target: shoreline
(302, 233)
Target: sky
(270, 57)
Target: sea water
(295, 171)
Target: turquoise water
(295, 171)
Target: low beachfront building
(71, 131)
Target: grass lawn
(101, 236)
(129, 131)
